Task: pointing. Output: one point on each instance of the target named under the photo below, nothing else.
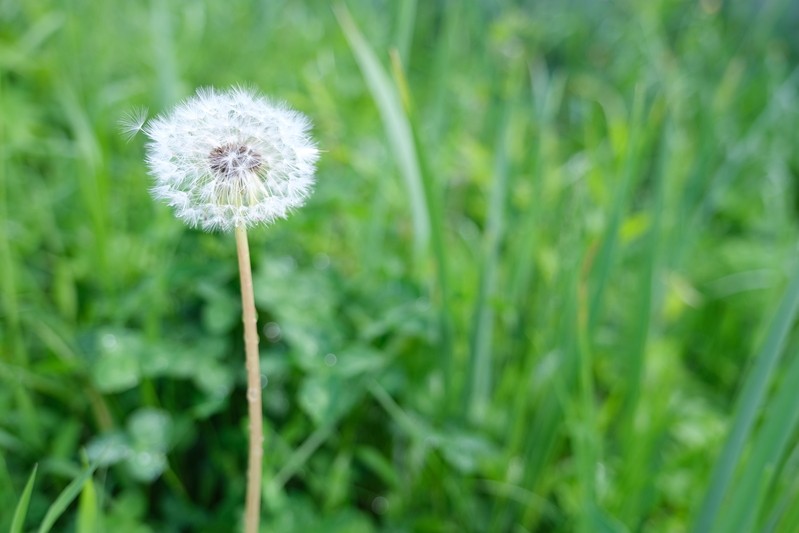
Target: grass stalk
(423, 194)
(770, 446)
(750, 401)
(254, 469)
(478, 390)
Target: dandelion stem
(253, 502)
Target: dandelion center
(231, 160)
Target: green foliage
(544, 283)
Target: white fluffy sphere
(227, 158)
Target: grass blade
(750, 400)
(406, 19)
(770, 446)
(408, 148)
(396, 122)
(607, 253)
(22, 506)
(88, 511)
(479, 385)
(65, 499)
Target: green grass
(547, 281)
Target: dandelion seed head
(227, 158)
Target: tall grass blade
(637, 443)
(480, 371)
(409, 151)
(770, 446)
(88, 511)
(440, 255)
(22, 505)
(12, 341)
(396, 123)
(748, 406)
(64, 499)
(406, 18)
(606, 256)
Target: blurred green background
(546, 281)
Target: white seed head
(227, 158)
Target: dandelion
(229, 160)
